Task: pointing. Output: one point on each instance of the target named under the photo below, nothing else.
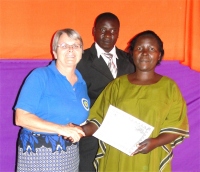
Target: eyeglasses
(66, 46)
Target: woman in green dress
(150, 97)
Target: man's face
(106, 33)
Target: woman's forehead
(146, 39)
(64, 37)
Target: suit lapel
(121, 65)
(99, 64)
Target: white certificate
(122, 130)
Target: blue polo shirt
(50, 96)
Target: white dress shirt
(100, 52)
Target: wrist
(59, 129)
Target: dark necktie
(111, 65)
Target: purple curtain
(13, 73)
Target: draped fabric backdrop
(26, 30)
(27, 26)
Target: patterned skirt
(46, 153)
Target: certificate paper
(122, 130)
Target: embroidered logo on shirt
(85, 104)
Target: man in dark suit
(95, 71)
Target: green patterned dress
(160, 105)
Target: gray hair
(70, 32)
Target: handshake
(71, 132)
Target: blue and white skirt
(46, 153)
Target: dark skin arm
(144, 147)
(149, 144)
(89, 128)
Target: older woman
(150, 97)
(50, 99)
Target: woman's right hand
(71, 132)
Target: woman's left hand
(146, 146)
(149, 144)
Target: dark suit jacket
(96, 73)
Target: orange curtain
(192, 34)
(26, 27)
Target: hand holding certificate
(118, 123)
